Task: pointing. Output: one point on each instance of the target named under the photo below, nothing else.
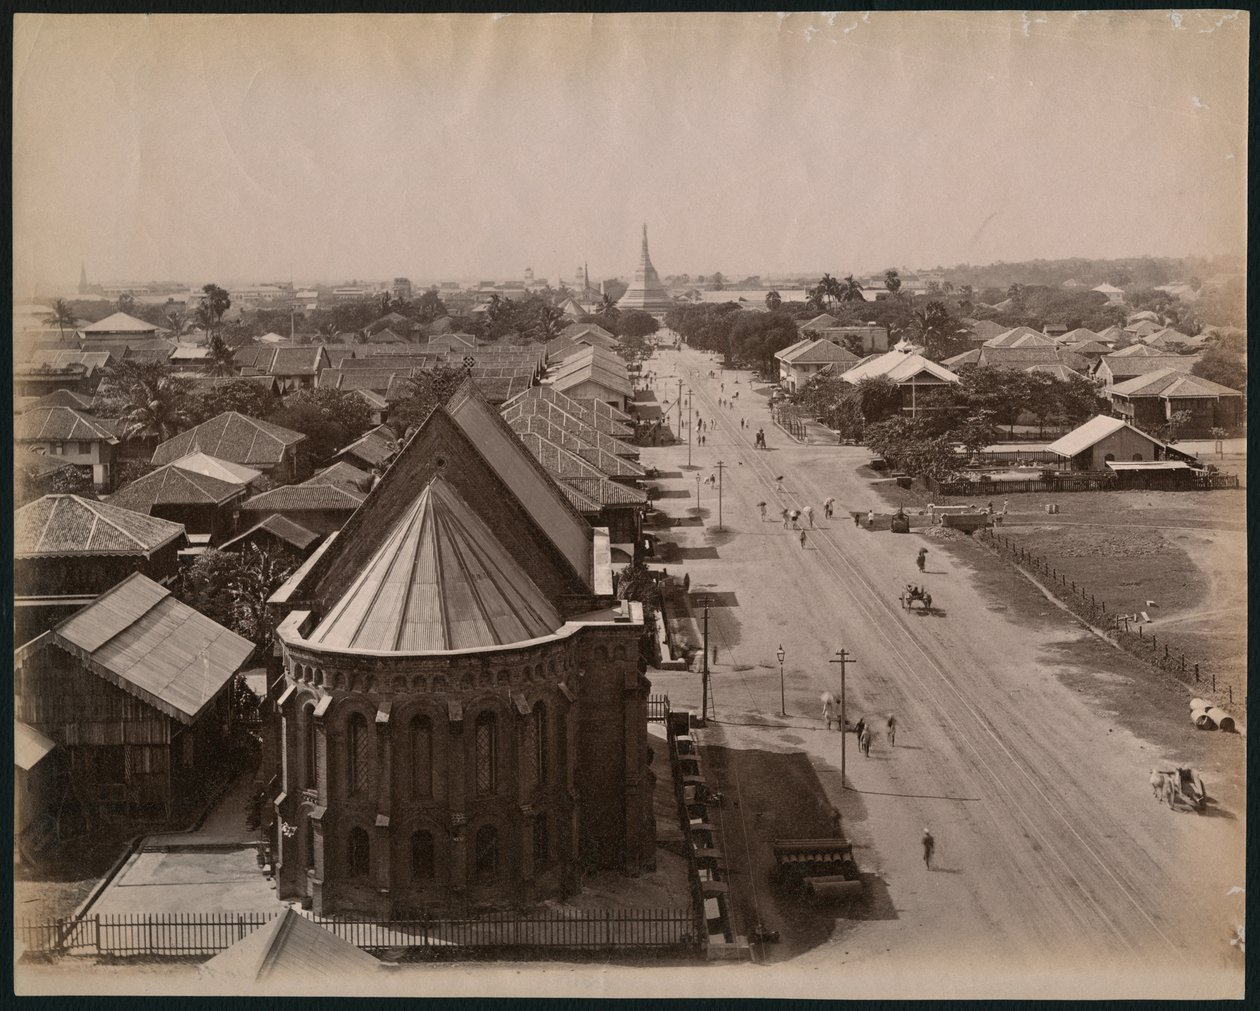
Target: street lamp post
(782, 697)
(720, 467)
(690, 425)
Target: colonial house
(73, 436)
(278, 452)
(68, 550)
(816, 326)
(319, 507)
(802, 361)
(591, 334)
(207, 507)
(871, 339)
(52, 370)
(117, 331)
(461, 706)
(1117, 367)
(1151, 401)
(136, 688)
(921, 381)
(1101, 440)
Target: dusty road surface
(1024, 743)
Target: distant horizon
(313, 146)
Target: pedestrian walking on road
(921, 560)
(829, 507)
(864, 741)
(929, 845)
(762, 507)
(802, 540)
(870, 519)
(857, 519)
(778, 484)
(829, 709)
(859, 726)
(785, 518)
(809, 515)
(795, 516)
(892, 730)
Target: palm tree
(608, 306)
(876, 398)
(849, 290)
(938, 331)
(828, 290)
(61, 316)
(892, 280)
(177, 322)
(154, 402)
(222, 357)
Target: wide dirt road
(1054, 863)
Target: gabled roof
(61, 398)
(280, 527)
(985, 329)
(141, 639)
(171, 485)
(1136, 351)
(59, 424)
(1008, 337)
(603, 409)
(344, 474)
(1108, 289)
(1112, 334)
(57, 525)
(608, 423)
(1032, 340)
(231, 436)
(375, 447)
(785, 352)
(1024, 357)
(440, 581)
(1119, 368)
(290, 949)
(1091, 433)
(305, 498)
(1168, 335)
(211, 466)
(819, 352)
(955, 362)
(821, 322)
(1078, 335)
(561, 347)
(606, 492)
(899, 367)
(1087, 348)
(1172, 384)
(300, 361)
(1144, 328)
(119, 322)
(592, 372)
(608, 463)
(1058, 371)
(573, 425)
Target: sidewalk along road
(1053, 855)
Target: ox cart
(916, 594)
(823, 869)
(1179, 787)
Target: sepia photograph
(630, 505)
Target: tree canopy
(330, 419)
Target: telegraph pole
(843, 658)
(704, 677)
(680, 409)
(690, 426)
(720, 467)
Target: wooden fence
(1086, 482)
(173, 935)
(1197, 675)
(657, 708)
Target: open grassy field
(1185, 551)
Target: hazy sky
(257, 147)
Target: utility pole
(843, 658)
(698, 499)
(720, 467)
(704, 677)
(680, 409)
(690, 426)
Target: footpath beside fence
(1226, 688)
(184, 935)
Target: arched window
(422, 856)
(486, 748)
(538, 719)
(542, 841)
(309, 765)
(1137, 457)
(357, 754)
(1109, 456)
(421, 757)
(486, 855)
(360, 853)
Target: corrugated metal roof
(1172, 384)
(441, 581)
(608, 462)
(279, 526)
(151, 645)
(119, 322)
(69, 525)
(30, 747)
(1148, 465)
(899, 367)
(290, 948)
(1092, 432)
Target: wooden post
(1196, 673)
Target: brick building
(460, 704)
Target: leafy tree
(233, 588)
(1002, 393)
(977, 431)
(821, 395)
(636, 323)
(126, 302)
(243, 397)
(636, 582)
(719, 282)
(428, 389)
(126, 471)
(892, 280)
(875, 398)
(429, 307)
(61, 316)
(608, 307)
(773, 300)
(330, 419)
(1221, 366)
(756, 336)
(216, 302)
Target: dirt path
(1051, 849)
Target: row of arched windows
(485, 862)
(420, 746)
